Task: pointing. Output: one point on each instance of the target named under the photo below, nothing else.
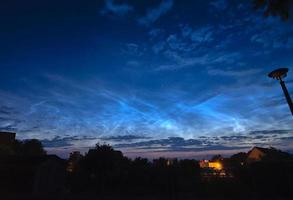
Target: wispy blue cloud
(219, 5)
(233, 73)
(122, 118)
(115, 8)
(132, 49)
(154, 14)
(199, 69)
(206, 59)
(201, 35)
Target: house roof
(272, 152)
(7, 134)
(265, 150)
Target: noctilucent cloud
(174, 78)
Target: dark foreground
(142, 197)
(105, 174)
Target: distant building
(203, 163)
(210, 164)
(7, 138)
(215, 165)
(32, 174)
(212, 169)
(257, 154)
(49, 176)
(73, 161)
(7, 141)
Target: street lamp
(278, 74)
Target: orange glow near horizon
(215, 165)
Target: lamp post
(279, 74)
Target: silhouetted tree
(73, 161)
(6, 150)
(18, 147)
(140, 162)
(139, 175)
(280, 8)
(102, 158)
(277, 155)
(15, 149)
(271, 178)
(239, 157)
(32, 147)
(217, 158)
(104, 166)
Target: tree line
(105, 172)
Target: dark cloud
(171, 142)
(222, 147)
(235, 137)
(260, 137)
(287, 138)
(5, 110)
(64, 141)
(11, 128)
(120, 138)
(58, 142)
(271, 132)
(203, 143)
(177, 144)
(192, 149)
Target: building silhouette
(7, 143)
(7, 138)
(257, 154)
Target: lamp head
(279, 73)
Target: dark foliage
(216, 158)
(281, 8)
(31, 147)
(105, 173)
(271, 178)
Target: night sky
(174, 78)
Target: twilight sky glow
(151, 77)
